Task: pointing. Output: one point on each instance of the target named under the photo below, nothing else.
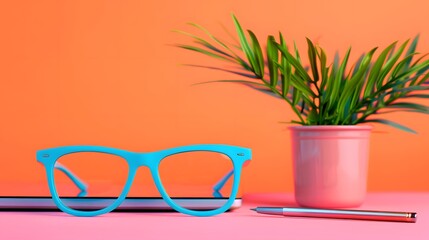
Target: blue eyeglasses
(220, 157)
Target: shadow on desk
(270, 199)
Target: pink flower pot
(330, 165)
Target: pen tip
(253, 209)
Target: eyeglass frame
(238, 156)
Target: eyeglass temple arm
(83, 187)
(219, 185)
(75, 179)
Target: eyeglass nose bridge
(143, 160)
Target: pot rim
(331, 127)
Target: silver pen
(410, 217)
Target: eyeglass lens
(194, 174)
(90, 175)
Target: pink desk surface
(239, 224)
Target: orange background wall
(105, 73)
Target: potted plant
(330, 101)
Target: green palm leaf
(323, 92)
